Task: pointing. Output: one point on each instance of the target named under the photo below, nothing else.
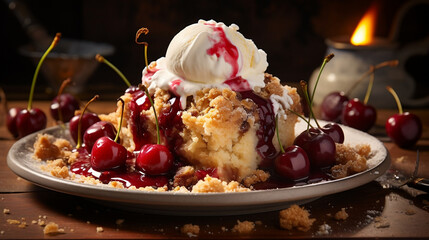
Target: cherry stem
(398, 102)
(278, 135)
(60, 91)
(144, 88)
(304, 87)
(391, 63)
(370, 84)
(79, 124)
(300, 116)
(144, 31)
(36, 73)
(325, 60)
(120, 121)
(101, 59)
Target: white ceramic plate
(20, 160)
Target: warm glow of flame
(364, 32)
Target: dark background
(291, 32)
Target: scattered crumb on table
(296, 217)
(244, 227)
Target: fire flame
(364, 32)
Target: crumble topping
(210, 184)
(350, 160)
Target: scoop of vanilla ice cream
(208, 54)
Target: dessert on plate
(216, 108)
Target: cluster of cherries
(313, 148)
(21, 122)
(404, 128)
(101, 139)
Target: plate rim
(189, 200)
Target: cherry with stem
(154, 159)
(107, 153)
(80, 123)
(101, 59)
(332, 129)
(360, 115)
(139, 32)
(292, 163)
(333, 104)
(404, 128)
(31, 119)
(63, 105)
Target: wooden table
(374, 212)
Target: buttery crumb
(381, 222)
(13, 221)
(341, 215)
(210, 184)
(296, 217)
(52, 229)
(257, 176)
(244, 227)
(190, 229)
(100, 229)
(350, 160)
(23, 224)
(6, 211)
(410, 211)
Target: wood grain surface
(374, 212)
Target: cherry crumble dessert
(206, 118)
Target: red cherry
(334, 131)
(87, 120)
(30, 121)
(293, 164)
(332, 106)
(96, 131)
(404, 129)
(67, 104)
(107, 154)
(11, 121)
(320, 148)
(154, 159)
(359, 115)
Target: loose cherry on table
(359, 115)
(64, 105)
(404, 128)
(11, 120)
(25, 121)
(107, 153)
(333, 104)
